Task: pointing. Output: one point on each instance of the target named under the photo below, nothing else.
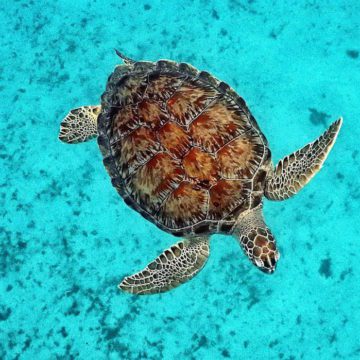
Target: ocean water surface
(67, 238)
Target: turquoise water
(67, 239)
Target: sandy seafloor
(67, 238)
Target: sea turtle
(183, 149)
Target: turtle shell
(181, 147)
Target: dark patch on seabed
(354, 54)
(325, 268)
(4, 313)
(318, 117)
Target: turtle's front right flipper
(173, 267)
(80, 125)
(294, 171)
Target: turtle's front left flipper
(173, 267)
(294, 171)
(80, 124)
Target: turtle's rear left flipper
(173, 267)
(80, 125)
(294, 171)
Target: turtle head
(257, 240)
(262, 251)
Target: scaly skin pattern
(174, 266)
(181, 147)
(257, 240)
(294, 171)
(80, 125)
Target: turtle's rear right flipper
(173, 267)
(80, 125)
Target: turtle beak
(268, 270)
(267, 264)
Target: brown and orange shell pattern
(181, 147)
